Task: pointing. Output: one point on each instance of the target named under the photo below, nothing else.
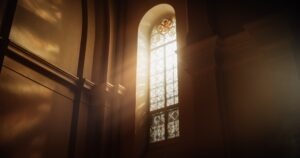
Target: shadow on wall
(23, 112)
(50, 29)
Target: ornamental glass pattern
(164, 81)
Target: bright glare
(163, 69)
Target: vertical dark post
(295, 24)
(165, 95)
(96, 110)
(102, 36)
(119, 9)
(80, 83)
(6, 27)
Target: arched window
(157, 101)
(163, 81)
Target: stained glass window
(173, 123)
(157, 129)
(164, 81)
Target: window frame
(166, 108)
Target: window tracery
(164, 82)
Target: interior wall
(261, 87)
(35, 112)
(259, 80)
(39, 81)
(49, 29)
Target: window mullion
(165, 87)
(171, 107)
(157, 111)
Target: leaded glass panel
(157, 90)
(173, 123)
(157, 39)
(157, 129)
(157, 99)
(171, 35)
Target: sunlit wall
(50, 29)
